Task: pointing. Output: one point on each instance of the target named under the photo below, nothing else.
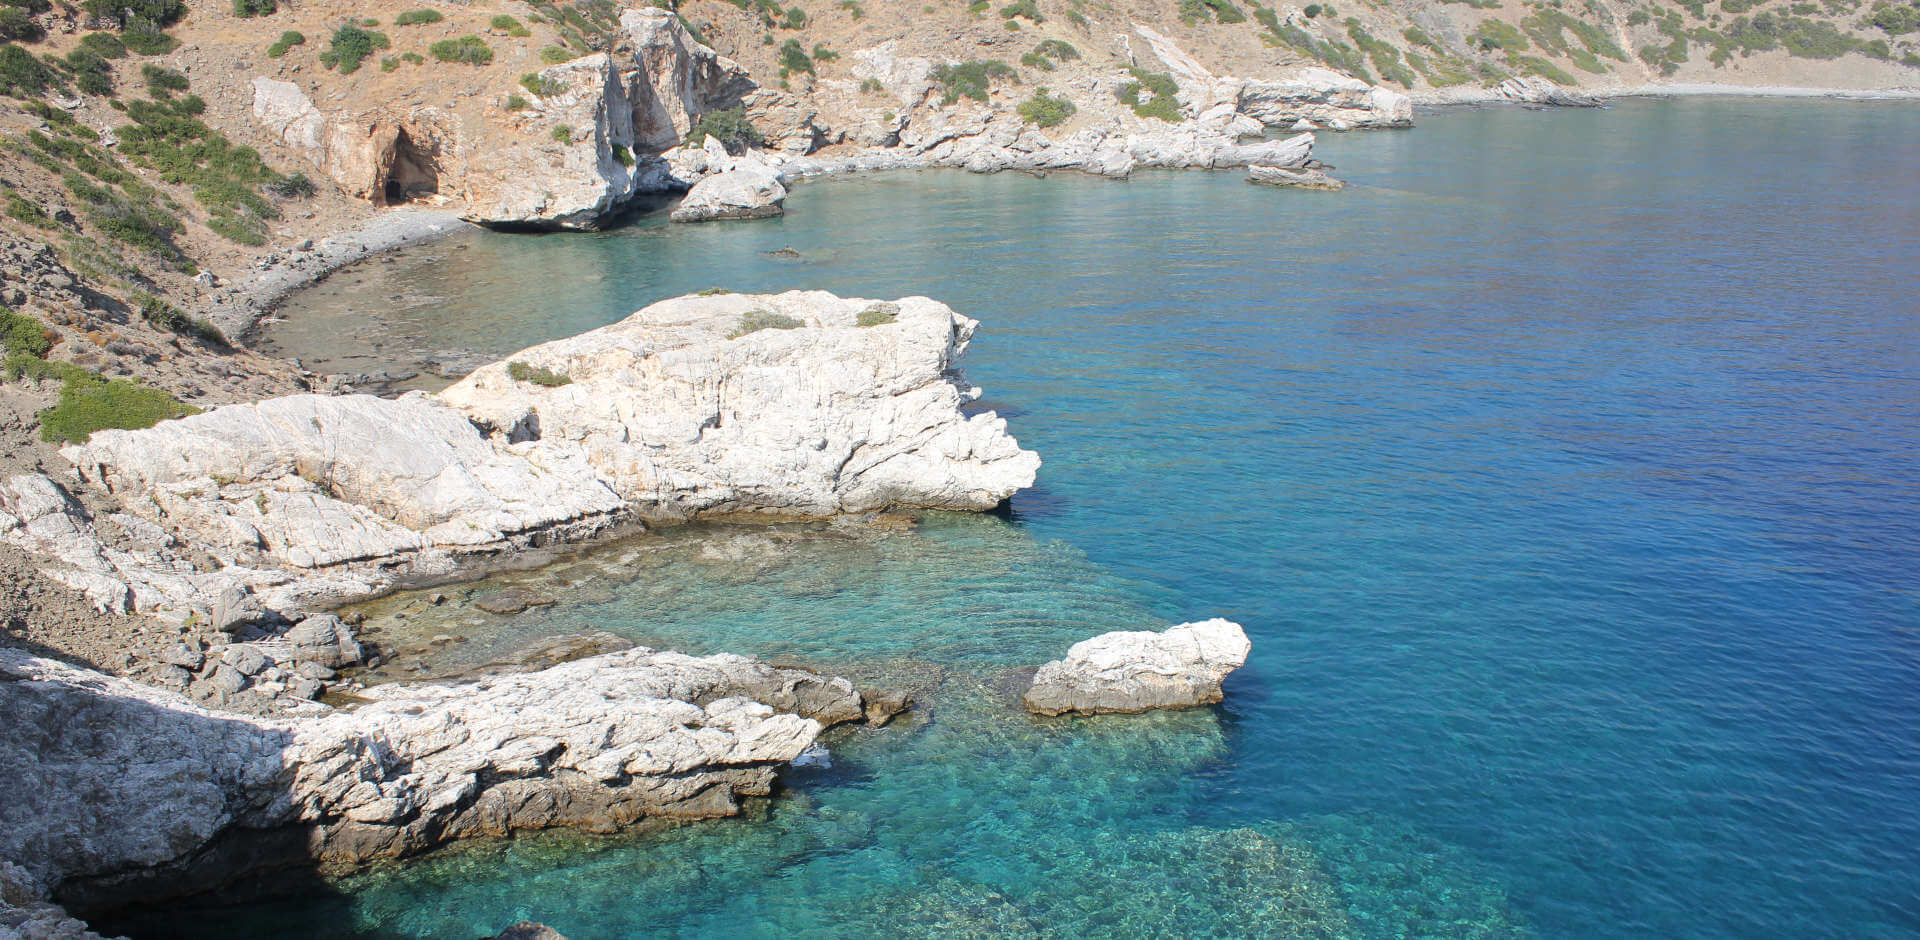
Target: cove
(1560, 470)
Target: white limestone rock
(1532, 89)
(1132, 671)
(671, 78)
(536, 181)
(311, 481)
(118, 790)
(286, 111)
(667, 415)
(685, 415)
(745, 192)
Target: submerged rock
(1132, 671)
(513, 601)
(529, 930)
(123, 791)
(1304, 177)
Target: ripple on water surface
(1561, 470)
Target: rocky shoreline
(129, 794)
(230, 530)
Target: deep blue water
(1561, 469)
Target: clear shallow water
(1561, 469)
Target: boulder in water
(1132, 671)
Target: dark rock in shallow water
(528, 930)
(513, 601)
(884, 706)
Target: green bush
(517, 103)
(823, 54)
(729, 126)
(879, 314)
(21, 365)
(1046, 111)
(713, 291)
(1534, 65)
(853, 8)
(1058, 50)
(796, 19)
(1193, 11)
(1498, 34)
(509, 25)
(1385, 57)
(162, 82)
(972, 79)
(296, 186)
(27, 211)
(1336, 54)
(250, 8)
(562, 134)
(542, 86)
(622, 154)
(90, 403)
(1897, 20)
(22, 75)
(1160, 100)
(172, 319)
(91, 73)
(145, 37)
(287, 40)
(17, 24)
(794, 59)
(1023, 8)
(23, 335)
(104, 45)
(554, 55)
(754, 321)
(470, 49)
(157, 12)
(521, 372)
(169, 137)
(417, 17)
(350, 46)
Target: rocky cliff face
(122, 791)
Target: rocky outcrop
(573, 164)
(801, 404)
(1303, 178)
(313, 481)
(119, 791)
(1532, 89)
(1132, 671)
(744, 192)
(673, 78)
(1324, 98)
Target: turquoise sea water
(1561, 469)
